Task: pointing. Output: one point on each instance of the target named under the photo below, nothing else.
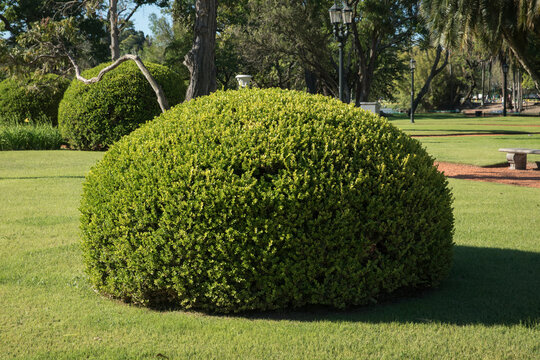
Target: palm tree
(514, 24)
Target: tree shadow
(469, 132)
(486, 286)
(41, 177)
(486, 177)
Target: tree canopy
(282, 43)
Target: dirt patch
(497, 174)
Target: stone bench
(517, 158)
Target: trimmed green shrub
(94, 116)
(265, 199)
(32, 98)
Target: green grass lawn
(489, 308)
(441, 124)
(479, 150)
(513, 132)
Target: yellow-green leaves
(265, 199)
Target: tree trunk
(200, 60)
(363, 84)
(434, 72)
(472, 83)
(311, 81)
(115, 32)
(514, 88)
(527, 61)
(483, 83)
(489, 79)
(366, 65)
(520, 91)
(468, 96)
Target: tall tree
(288, 44)
(200, 60)
(437, 66)
(497, 23)
(382, 29)
(19, 17)
(118, 21)
(59, 40)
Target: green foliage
(32, 98)
(495, 25)
(30, 137)
(265, 199)
(94, 116)
(528, 84)
(39, 31)
(169, 44)
(132, 41)
(447, 88)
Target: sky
(140, 18)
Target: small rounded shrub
(31, 98)
(265, 199)
(94, 116)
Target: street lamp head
(413, 64)
(347, 15)
(505, 68)
(335, 14)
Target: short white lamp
(243, 80)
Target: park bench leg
(517, 161)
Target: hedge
(33, 98)
(265, 199)
(94, 116)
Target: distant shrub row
(40, 136)
(97, 115)
(31, 98)
(89, 116)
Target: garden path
(498, 174)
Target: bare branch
(7, 25)
(162, 100)
(126, 19)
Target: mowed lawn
(458, 124)
(443, 136)
(489, 307)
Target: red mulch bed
(498, 174)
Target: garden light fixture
(341, 17)
(413, 67)
(243, 80)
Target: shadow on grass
(486, 286)
(446, 116)
(469, 132)
(40, 177)
(491, 177)
(428, 116)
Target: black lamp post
(341, 16)
(505, 72)
(413, 66)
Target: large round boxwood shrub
(32, 98)
(94, 116)
(265, 199)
